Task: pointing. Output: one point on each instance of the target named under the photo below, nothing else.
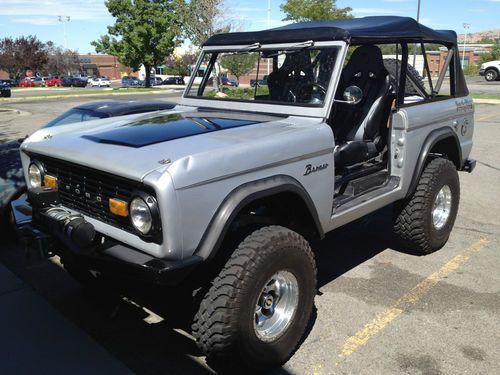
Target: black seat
(360, 130)
(296, 72)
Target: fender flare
(432, 138)
(242, 195)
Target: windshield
(75, 115)
(297, 75)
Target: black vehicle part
(57, 219)
(75, 227)
(375, 29)
(444, 142)
(225, 325)
(469, 165)
(393, 66)
(414, 227)
(244, 195)
(43, 197)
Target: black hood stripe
(164, 128)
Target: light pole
(466, 27)
(268, 27)
(415, 48)
(64, 20)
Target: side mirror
(352, 95)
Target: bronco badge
(310, 169)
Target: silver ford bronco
(224, 191)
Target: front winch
(46, 212)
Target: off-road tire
(224, 324)
(393, 66)
(491, 75)
(413, 226)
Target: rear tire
(491, 75)
(423, 222)
(393, 65)
(233, 326)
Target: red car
(26, 82)
(224, 81)
(53, 81)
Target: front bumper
(44, 235)
(481, 72)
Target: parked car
(5, 89)
(259, 82)
(74, 82)
(490, 71)
(54, 81)
(26, 82)
(100, 82)
(131, 81)
(39, 81)
(173, 81)
(222, 195)
(12, 183)
(82, 76)
(154, 81)
(224, 81)
(10, 82)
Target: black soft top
(377, 29)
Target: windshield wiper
(250, 47)
(295, 48)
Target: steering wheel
(307, 89)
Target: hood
(132, 146)
(168, 126)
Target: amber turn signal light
(118, 207)
(50, 181)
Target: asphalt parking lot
(379, 311)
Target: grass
(478, 96)
(246, 93)
(90, 92)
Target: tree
(491, 56)
(144, 32)
(61, 61)
(25, 52)
(311, 10)
(180, 64)
(204, 18)
(239, 64)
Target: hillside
(480, 35)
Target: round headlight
(35, 175)
(141, 216)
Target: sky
(88, 18)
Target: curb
(486, 101)
(35, 97)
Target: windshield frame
(297, 109)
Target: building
(102, 65)
(470, 54)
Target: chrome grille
(88, 191)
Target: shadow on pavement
(151, 343)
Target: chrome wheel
(276, 306)
(442, 207)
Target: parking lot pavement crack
(488, 165)
(469, 229)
